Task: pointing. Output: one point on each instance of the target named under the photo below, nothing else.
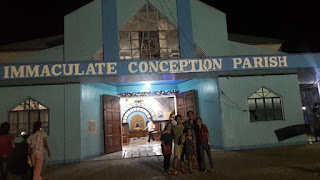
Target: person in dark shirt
(190, 123)
(166, 146)
(203, 144)
(19, 162)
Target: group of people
(190, 141)
(27, 157)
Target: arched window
(265, 105)
(22, 117)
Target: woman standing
(203, 143)
(166, 145)
(37, 145)
(6, 148)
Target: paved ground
(299, 162)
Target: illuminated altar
(137, 126)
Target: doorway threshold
(138, 147)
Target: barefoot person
(37, 146)
(203, 143)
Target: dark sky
(293, 22)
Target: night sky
(293, 22)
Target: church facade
(128, 60)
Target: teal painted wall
(62, 139)
(209, 106)
(83, 32)
(72, 123)
(127, 9)
(238, 49)
(209, 29)
(238, 131)
(92, 143)
(50, 96)
(54, 54)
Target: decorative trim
(149, 93)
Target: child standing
(166, 145)
(190, 145)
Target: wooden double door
(112, 123)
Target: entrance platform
(138, 147)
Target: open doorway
(125, 121)
(135, 113)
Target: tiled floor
(138, 147)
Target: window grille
(24, 115)
(265, 105)
(148, 35)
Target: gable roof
(253, 40)
(34, 44)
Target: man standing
(150, 127)
(178, 145)
(191, 122)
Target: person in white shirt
(151, 127)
